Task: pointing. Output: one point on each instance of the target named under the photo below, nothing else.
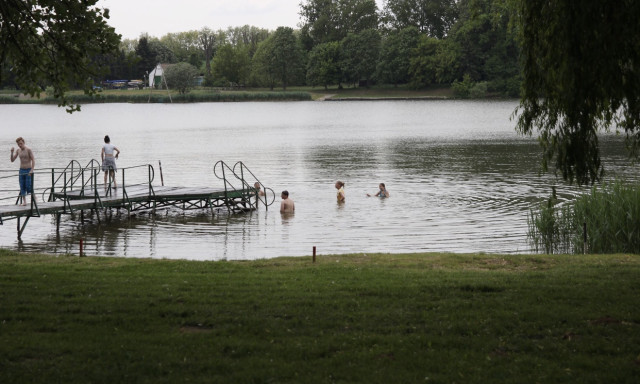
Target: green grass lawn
(418, 318)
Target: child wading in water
(382, 192)
(340, 188)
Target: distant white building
(155, 76)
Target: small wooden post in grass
(314, 253)
(584, 236)
(81, 240)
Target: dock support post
(21, 229)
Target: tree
(263, 64)
(581, 63)
(55, 43)
(324, 21)
(146, 54)
(207, 40)
(162, 53)
(433, 17)
(360, 52)
(395, 55)
(487, 45)
(184, 45)
(232, 64)
(180, 76)
(324, 64)
(248, 36)
(423, 64)
(287, 56)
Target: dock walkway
(77, 189)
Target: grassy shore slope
(419, 318)
(201, 95)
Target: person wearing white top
(109, 155)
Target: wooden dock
(80, 191)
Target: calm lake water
(460, 178)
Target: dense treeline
(420, 43)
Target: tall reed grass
(610, 214)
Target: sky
(131, 18)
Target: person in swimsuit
(382, 192)
(109, 155)
(287, 205)
(259, 191)
(27, 165)
(340, 188)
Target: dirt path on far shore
(325, 97)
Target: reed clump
(605, 220)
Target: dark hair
(285, 192)
(340, 183)
(107, 139)
(383, 186)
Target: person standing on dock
(109, 155)
(27, 165)
(287, 205)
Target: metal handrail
(244, 168)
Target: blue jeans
(25, 181)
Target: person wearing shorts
(109, 155)
(27, 165)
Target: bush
(611, 215)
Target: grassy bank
(251, 94)
(345, 319)
(380, 92)
(161, 96)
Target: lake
(460, 178)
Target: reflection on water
(460, 178)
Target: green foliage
(284, 58)
(324, 65)
(468, 89)
(55, 43)
(434, 18)
(350, 319)
(325, 21)
(423, 64)
(485, 44)
(360, 52)
(581, 65)
(247, 36)
(232, 63)
(611, 214)
(180, 76)
(263, 69)
(395, 56)
(184, 46)
(147, 57)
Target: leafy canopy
(55, 42)
(181, 76)
(581, 62)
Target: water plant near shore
(608, 216)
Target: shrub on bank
(611, 215)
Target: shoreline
(136, 96)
